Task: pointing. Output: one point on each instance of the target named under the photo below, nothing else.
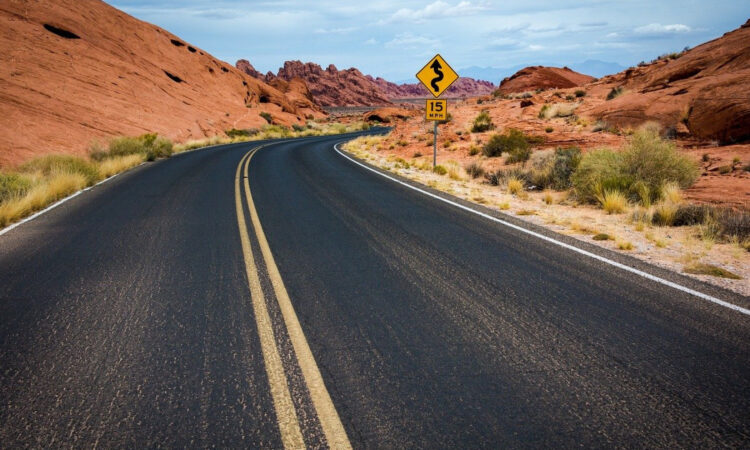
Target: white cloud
(370, 41)
(435, 10)
(410, 41)
(657, 28)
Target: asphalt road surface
(287, 296)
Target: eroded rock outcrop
(72, 71)
(541, 77)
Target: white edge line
(56, 204)
(556, 242)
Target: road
(289, 297)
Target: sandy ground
(674, 248)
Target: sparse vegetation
(440, 170)
(474, 169)
(615, 92)
(267, 116)
(512, 141)
(602, 237)
(482, 123)
(580, 93)
(710, 269)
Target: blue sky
(394, 39)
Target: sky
(394, 39)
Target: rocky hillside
(330, 86)
(702, 93)
(333, 87)
(77, 70)
(541, 77)
(463, 87)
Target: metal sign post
(436, 76)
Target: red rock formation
(463, 87)
(333, 87)
(540, 77)
(704, 91)
(76, 70)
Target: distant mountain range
(592, 67)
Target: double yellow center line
(286, 414)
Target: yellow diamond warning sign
(437, 75)
(436, 109)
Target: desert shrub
(298, 128)
(734, 223)
(13, 185)
(565, 163)
(723, 170)
(518, 154)
(448, 118)
(656, 162)
(492, 178)
(267, 116)
(62, 164)
(440, 170)
(599, 170)
(549, 130)
(482, 123)
(615, 92)
(473, 150)
(580, 93)
(543, 112)
(474, 169)
(512, 141)
(691, 215)
(150, 145)
(234, 133)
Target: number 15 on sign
(436, 110)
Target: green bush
(482, 123)
(13, 185)
(513, 142)
(150, 145)
(599, 170)
(580, 93)
(565, 163)
(298, 128)
(655, 162)
(646, 164)
(440, 170)
(267, 116)
(64, 164)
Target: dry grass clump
(613, 201)
(624, 245)
(515, 186)
(113, 166)
(52, 188)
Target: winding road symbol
(437, 75)
(436, 68)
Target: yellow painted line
(291, 435)
(329, 418)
